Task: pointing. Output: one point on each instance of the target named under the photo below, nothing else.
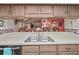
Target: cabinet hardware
(67, 49)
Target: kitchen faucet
(39, 36)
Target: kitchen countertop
(18, 38)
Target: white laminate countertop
(18, 38)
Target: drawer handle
(68, 49)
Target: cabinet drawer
(48, 53)
(30, 53)
(67, 48)
(67, 53)
(47, 48)
(26, 49)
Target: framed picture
(1, 23)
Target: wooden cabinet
(42, 50)
(17, 10)
(78, 49)
(4, 10)
(30, 50)
(47, 48)
(38, 11)
(73, 11)
(31, 9)
(67, 49)
(51, 50)
(45, 9)
(60, 11)
(64, 11)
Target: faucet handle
(38, 34)
(41, 34)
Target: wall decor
(43, 25)
(53, 24)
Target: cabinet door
(73, 11)
(17, 10)
(30, 49)
(31, 9)
(46, 9)
(60, 11)
(4, 10)
(38, 11)
(67, 48)
(67, 53)
(78, 49)
(47, 48)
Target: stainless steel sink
(39, 39)
(46, 39)
(32, 39)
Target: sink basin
(46, 39)
(39, 39)
(32, 39)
